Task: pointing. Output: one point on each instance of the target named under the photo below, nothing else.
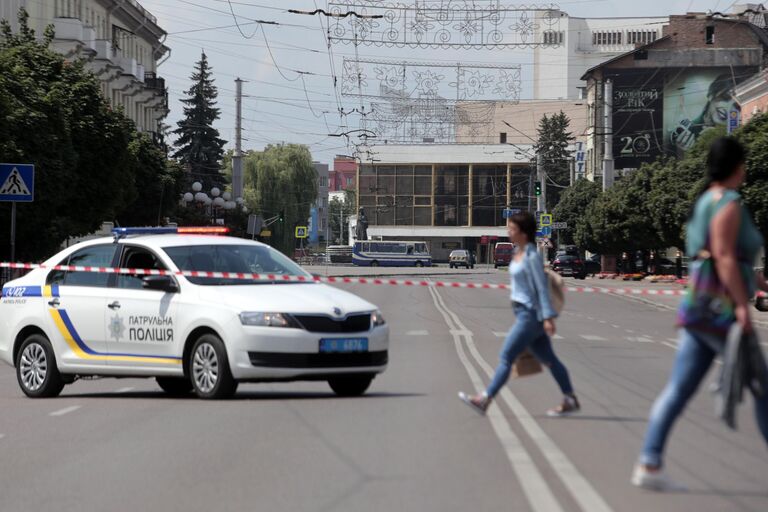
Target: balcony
(152, 81)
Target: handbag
(707, 306)
(556, 287)
(525, 364)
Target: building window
(503, 138)
(582, 93)
(710, 35)
(552, 37)
(350, 181)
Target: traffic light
(281, 218)
(537, 188)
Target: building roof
(621, 56)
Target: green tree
(618, 219)
(572, 208)
(552, 146)
(158, 181)
(52, 114)
(281, 182)
(339, 211)
(199, 147)
(754, 135)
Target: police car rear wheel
(209, 368)
(177, 386)
(350, 385)
(36, 368)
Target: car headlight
(266, 319)
(377, 319)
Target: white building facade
(120, 42)
(580, 44)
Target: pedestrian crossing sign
(17, 182)
(301, 232)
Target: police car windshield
(246, 259)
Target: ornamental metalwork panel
(374, 78)
(444, 24)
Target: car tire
(350, 385)
(175, 386)
(374, 263)
(209, 371)
(761, 304)
(419, 264)
(36, 369)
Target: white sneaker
(654, 480)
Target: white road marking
(583, 493)
(66, 410)
(592, 337)
(615, 326)
(557, 337)
(670, 345)
(124, 390)
(629, 331)
(535, 487)
(641, 339)
(603, 322)
(500, 334)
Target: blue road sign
(733, 120)
(17, 182)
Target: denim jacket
(534, 268)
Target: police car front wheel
(36, 368)
(209, 368)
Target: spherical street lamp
(200, 197)
(215, 192)
(188, 197)
(227, 196)
(197, 186)
(218, 202)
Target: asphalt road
(407, 445)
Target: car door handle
(114, 305)
(54, 303)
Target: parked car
(502, 254)
(569, 265)
(461, 258)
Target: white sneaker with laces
(657, 480)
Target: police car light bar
(186, 230)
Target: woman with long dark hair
(723, 243)
(534, 320)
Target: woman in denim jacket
(534, 320)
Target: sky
(289, 70)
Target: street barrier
(329, 279)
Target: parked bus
(391, 254)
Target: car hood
(286, 298)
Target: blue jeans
(694, 357)
(528, 332)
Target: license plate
(343, 345)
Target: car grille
(320, 323)
(292, 360)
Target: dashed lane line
(66, 410)
(124, 390)
(588, 499)
(592, 337)
(417, 333)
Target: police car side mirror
(160, 283)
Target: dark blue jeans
(694, 357)
(528, 332)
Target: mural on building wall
(694, 102)
(663, 112)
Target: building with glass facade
(448, 195)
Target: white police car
(190, 333)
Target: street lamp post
(218, 201)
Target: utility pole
(608, 164)
(541, 200)
(237, 158)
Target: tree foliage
(281, 181)
(552, 146)
(54, 117)
(199, 146)
(573, 206)
(339, 211)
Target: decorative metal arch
(445, 24)
(374, 78)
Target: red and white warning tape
(329, 279)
